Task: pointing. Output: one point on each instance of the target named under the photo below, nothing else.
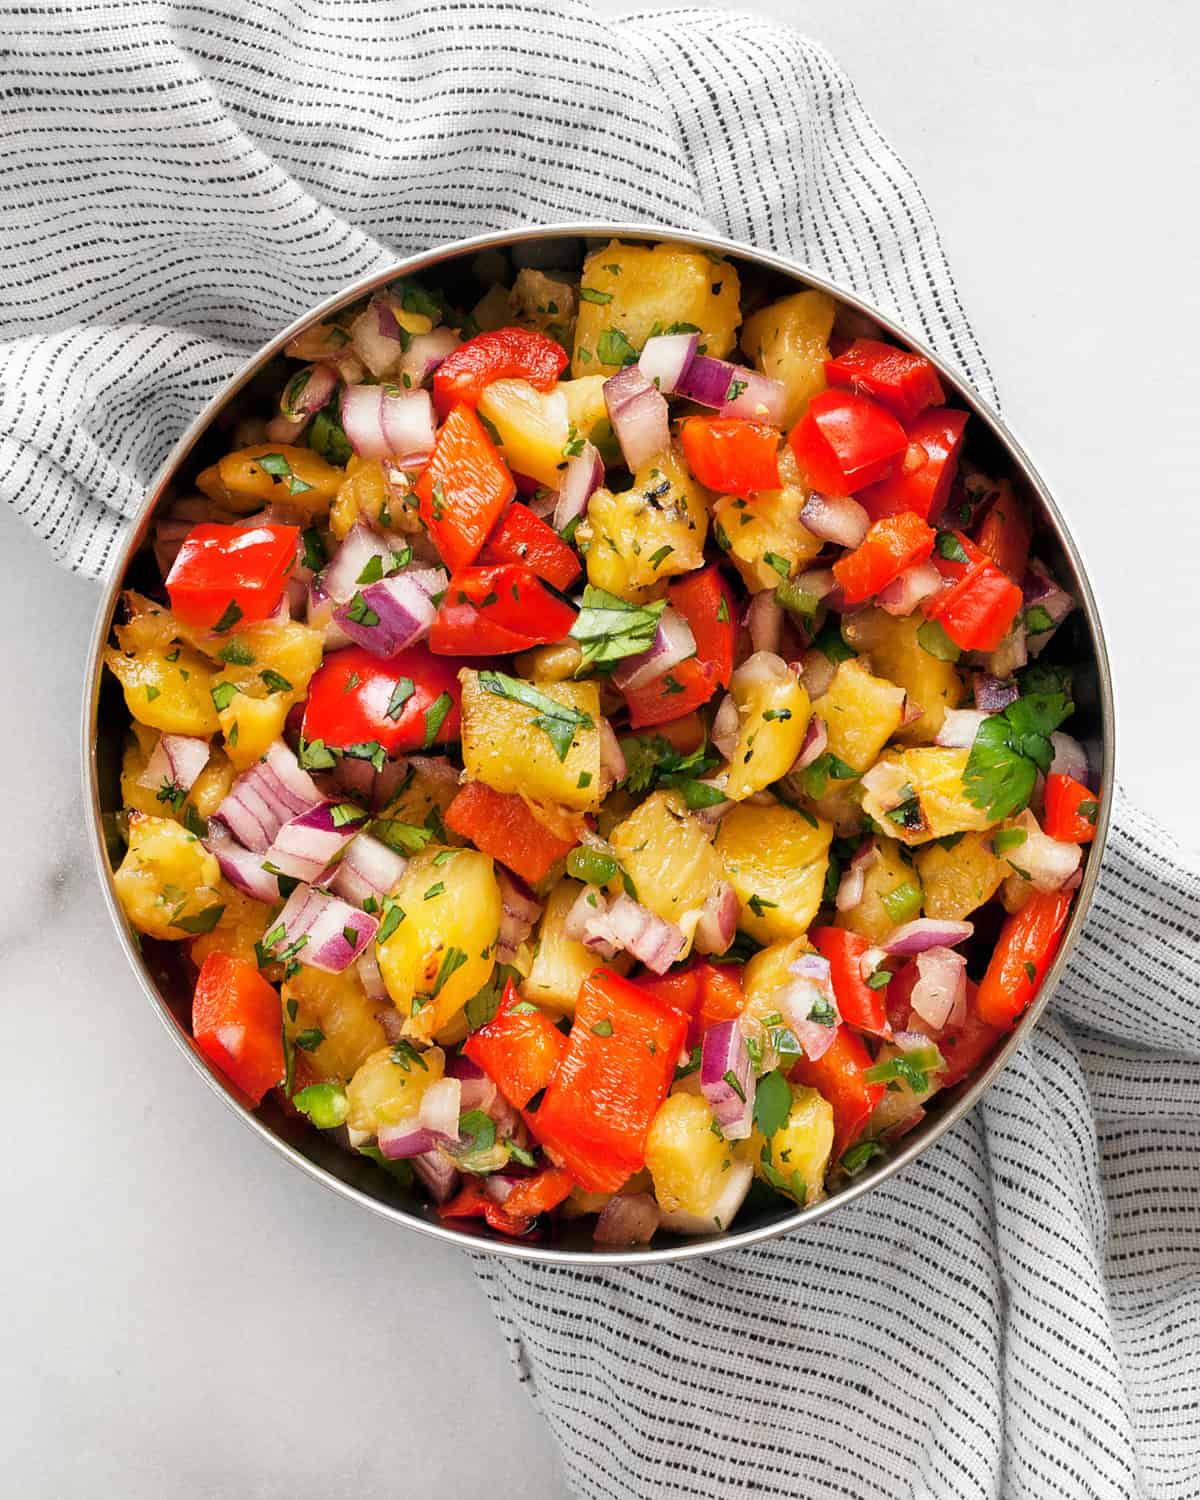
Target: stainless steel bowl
(105, 724)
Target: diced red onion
(374, 789)
(819, 582)
(993, 695)
(1010, 654)
(368, 869)
(518, 912)
(177, 759)
(264, 797)
(582, 477)
(903, 1127)
(726, 727)
(816, 737)
(628, 1218)
(639, 416)
(715, 810)
(339, 579)
(612, 757)
(904, 593)
(757, 397)
(764, 618)
(476, 1089)
(406, 1140)
(241, 868)
(424, 354)
(735, 1184)
(1049, 863)
(812, 987)
(869, 960)
(940, 993)
(727, 1079)
(853, 882)
(335, 932)
(375, 338)
(372, 979)
(839, 519)
(1041, 589)
(639, 931)
(927, 932)
(718, 920)
(403, 608)
(959, 728)
(307, 392)
(665, 359)
(887, 782)
(440, 1107)
(306, 845)
(590, 902)
(386, 422)
(437, 1174)
(673, 643)
(1070, 758)
(910, 712)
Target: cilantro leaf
(1009, 750)
(772, 1102)
(559, 720)
(609, 628)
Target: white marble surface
(183, 1316)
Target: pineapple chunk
(554, 663)
(768, 972)
(167, 685)
(560, 963)
(795, 1159)
(493, 310)
(587, 410)
(789, 340)
(668, 855)
(208, 790)
(241, 925)
(917, 795)
(269, 664)
(388, 1086)
(240, 483)
(958, 881)
(363, 495)
(644, 289)
(687, 1159)
(251, 726)
(861, 712)
(502, 745)
(645, 534)
(533, 427)
(774, 711)
(544, 302)
(168, 882)
(423, 799)
(896, 654)
(335, 1006)
(442, 952)
(870, 918)
(776, 861)
(767, 524)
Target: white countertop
(187, 1317)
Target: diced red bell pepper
(678, 692)
(678, 988)
(1071, 810)
(706, 602)
(463, 488)
(858, 1004)
(409, 701)
(1005, 533)
(538, 1195)
(839, 1076)
(518, 1048)
(224, 574)
(704, 992)
(1027, 943)
(898, 995)
(473, 1201)
(845, 441)
(905, 383)
(501, 824)
(497, 608)
(620, 1060)
(237, 1022)
(502, 354)
(522, 537)
(954, 563)
(890, 546)
(978, 611)
(732, 455)
(963, 1051)
(925, 489)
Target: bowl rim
(920, 1140)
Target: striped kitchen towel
(1017, 1315)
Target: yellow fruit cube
(166, 684)
(686, 1158)
(917, 795)
(642, 536)
(168, 882)
(335, 1022)
(861, 712)
(773, 710)
(533, 427)
(958, 881)
(888, 874)
(504, 745)
(242, 924)
(560, 963)
(775, 859)
(388, 1086)
(895, 653)
(241, 484)
(796, 1157)
(668, 854)
(789, 340)
(762, 533)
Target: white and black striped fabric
(1018, 1315)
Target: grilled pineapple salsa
(578, 753)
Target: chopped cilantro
(560, 721)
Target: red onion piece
(284, 429)
(735, 1184)
(673, 643)
(263, 798)
(334, 933)
(764, 618)
(403, 610)
(437, 1174)
(992, 695)
(755, 397)
(811, 989)
(307, 392)
(408, 1139)
(819, 582)
(816, 672)
(726, 727)
(665, 359)
(367, 869)
(852, 884)
(424, 354)
(1010, 654)
(959, 728)
(372, 980)
(440, 1107)
(639, 416)
(1042, 590)
(628, 1218)
(639, 931)
(1049, 863)
(1070, 758)
(178, 760)
(319, 616)
(476, 1089)
(241, 868)
(582, 477)
(409, 425)
(940, 993)
(339, 578)
(927, 932)
(903, 594)
(727, 1079)
(839, 519)
(718, 920)
(374, 789)
(816, 737)
(518, 912)
(306, 845)
(362, 418)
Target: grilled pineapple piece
(762, 533)
(387, 1088)
(504, 746)
(958, 881)
(533, 427)
(917, 795)
(241, 484)
(688, 1161)
(774, 712)
(644, 535)
(896, 654)
(861, 712)
(168, 882)
(334, 1024)
(887, 875)
(775, 860)
(795, 1158)
(668, 855)
(789, 340)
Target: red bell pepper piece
(681, 690)
(518, 1048)
(522, 537)
(963, 1051)
(839, 1076)
(409, 701)
(501, 824)
(620, 1060)
(1005, 533)
(237, 1022)
(496, 608)
(732, 455)
(845, 441)
(502, 354)
(905, 383)
(858, 1004)
(1071, 810)
(704, 992)
(678, 988)
(473, 1201)
(925, 489)
(224, 574)
(538, 1195)
(463, 488)
(890, 546)
(954, 563)
(1028, 941)
(706, 602)
(978, 611)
